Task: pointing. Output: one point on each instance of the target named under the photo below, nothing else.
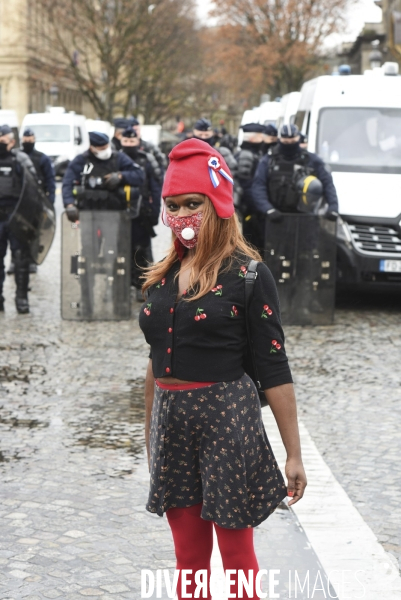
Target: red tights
(193, 541)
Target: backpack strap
(250, 279)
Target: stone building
(383, 38)
(29, 79)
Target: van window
(270, 122)
(360, 139)
(50, 133)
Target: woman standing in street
(211, 464)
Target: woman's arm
(149, 393)
(282, 402)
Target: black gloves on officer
(274, 215)
(331, 215)
(72, 213)
(112, 181)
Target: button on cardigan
(205, 339)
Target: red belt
(194, 385)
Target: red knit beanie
(196, 167)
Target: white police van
(59, 134)
(354, 124)
(289, 104)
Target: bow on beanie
(197, 168)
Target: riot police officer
(142, 225)
(103, 182)
(95, 179)
(203, 131)
(13, 167)
(42, 164)
(148, 147)
(120, 124)
(270, 138)
(248, 159)
(44, 171)
(293, 189)
(277, 186)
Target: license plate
(390, 266)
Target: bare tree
(123, 54)
(273, 44)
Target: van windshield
(360, 139)
(51, 133)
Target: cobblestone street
(73, 474)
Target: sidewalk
(74, 478)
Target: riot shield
(96, 266)
(33, 221)
(300, 251)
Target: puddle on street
(113, 421)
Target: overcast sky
(364, 10)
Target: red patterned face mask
(186, 228)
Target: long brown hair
(219, 239)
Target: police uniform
(271, 132)
(43, 167)
(120, 124)
(248, 159)
(13, 163)
(46, 179)
(289, 179)
(100, 180)
(275, 190)
(84, 184)
(150, 148)
(142, 226)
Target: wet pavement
(72, 466)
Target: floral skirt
(209, 445)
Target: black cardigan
(205, 339)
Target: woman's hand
(295, 473)
(283, 405)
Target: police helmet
(311, 194)
(129, 133)
(5, 130)
(28, 133)
(253, 128)
(271, 130)
(121, 123)
(289, 131)
(98, 139)
(203, 125)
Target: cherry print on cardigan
(275, 347)
(218, 290)
(243, 271)
(162, 282)
(147, 308)
(200, 314)
(234, 311)
(267, 312)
